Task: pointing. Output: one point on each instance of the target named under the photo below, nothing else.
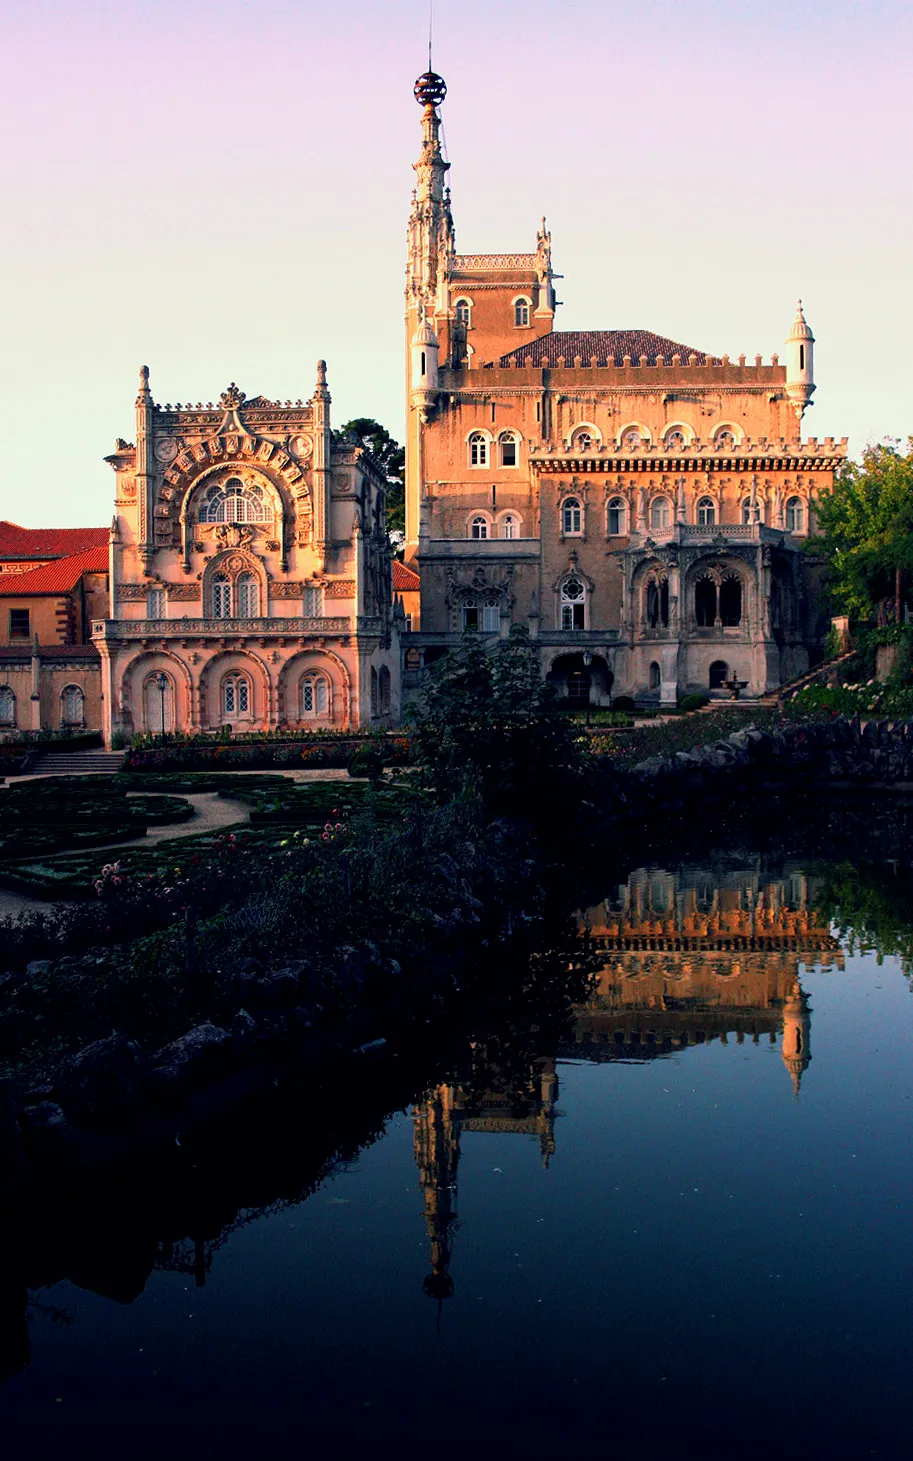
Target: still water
(681, 1217)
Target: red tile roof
(606, 345)
(50, 652)
(405, 580)
(59, 577)
(17, 542)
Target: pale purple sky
(220, 191)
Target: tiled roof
(58, 577)
(404, 579)
(606, 345)
(50, 652)
(17, 542)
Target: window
(748, 515)
(508, 445)
(571, 517)
(616, 518)
(706, 512)
(478, 527)
(632, 438)
(583, 441)
(221, 597)
(676, 439)
(478, 449)
(73, 704)
(656, 603)
(232, 502)
(795, 515)
(248, 597)
(654, 676)
(731, 601)
(19, 623)
(464, 312)
(313, 602)
(383, 689)
(705, 602)
(661, 513)
(373, 691)
(315, 696)
(491, 616)
(155, 603)
(719, 674)
(573, 604)
(235, 695)
(470, 614)
(725, 440)
(509, 526)
(521, 312)
(7, 706)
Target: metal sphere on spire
(430, 89)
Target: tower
(800, 364)
(796, 1033)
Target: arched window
(521, 312)
(676, 440)
(491, 616)
(221, 597)
(661, 513)
(725, 439)
(315, 696)
(654, 676)
(656, 603)
(571, 518)
(507, 444)
(470, 614)
(7, 706)
(706, 512)
(719, 674)
(478, 527)
(464, 312)
(478, 449)
(705, 602)
(509, 526)
(632, 438)
(383, 690)
(236, 696)
(615, 522)
(373, 690)
(573, 604)
(248, 597)
(158, 703)
(582, 441)
(748, 512)
(73, 706)
(795, 515)
(232, 502)
(731, 601)
(155, 603)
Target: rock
(194, 1058)
(10, 1137)
(280, 987)
(44, 1130)
(103, 1082)
(38, 967)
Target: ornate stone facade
(639, 505)
(250, 572)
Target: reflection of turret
(437, 1155)
(545, 1121)
(797, 1026)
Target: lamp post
(587, 661)
(161, 681)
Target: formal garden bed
(326, 750)
(55, 813)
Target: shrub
(623, 702)
(693, 702)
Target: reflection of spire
(545, 1121)
(437, 1155)
(796, 1034)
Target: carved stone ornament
(231, 399)
(234, 535)
(272, 545)
(343, 588)
(302, 446)
(131, 592)
(287, 589)
(165, 451)
(185, 592)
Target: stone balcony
(510, 549)
(711, 535)
(301, 627)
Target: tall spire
(431, 239)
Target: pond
(680, 1217)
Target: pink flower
(326, 836)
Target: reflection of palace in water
(679, 959)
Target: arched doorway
(580, 680)
(719, 674)
(158, 703)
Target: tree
(865, 536)
(392, 458)
(488, 727)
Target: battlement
(468, 263)
(687, 371)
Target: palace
(637, 504)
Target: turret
(145, 471)
(423, 382)
(796, 1034)
(800, 364)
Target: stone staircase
(75, 763)
(776, 697)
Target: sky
(220, 190)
